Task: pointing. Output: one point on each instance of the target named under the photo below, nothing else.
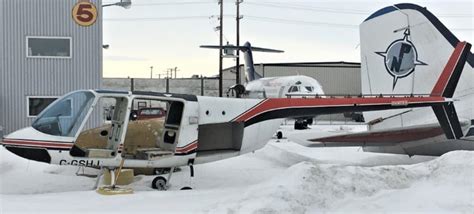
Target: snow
(283, 177)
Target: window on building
(48, 47)
(37, 104)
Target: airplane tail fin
(405, 49)
(445, 87)
(247, 49)
(449, 78)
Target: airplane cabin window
(293, 89)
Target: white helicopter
(195, 130)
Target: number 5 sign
(84, 13)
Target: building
(338, 78)
(47, 48)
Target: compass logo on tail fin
(401, 58)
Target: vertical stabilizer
(404, 50)
(247, 49)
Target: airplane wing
(377, 138)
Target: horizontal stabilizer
(379, 138)
(449, 121)
(243, 48)
(247, 49)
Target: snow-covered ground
(283, 177)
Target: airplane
(260, 87)
(199, 129)
(403, 48)
(195, 130)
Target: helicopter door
(102, 135)
(172, 125)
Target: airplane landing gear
(279, 135)
(159, 183)
(191, 171)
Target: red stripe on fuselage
(284, 103)
(448, 70)
(187, 148)
(42, 144)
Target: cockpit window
(293, 89)
(309, 88)
(65, 116)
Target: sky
(167, 33)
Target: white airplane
(259, 87)
(403, 51)
(197, 129)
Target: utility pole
(237, 60)
(175, 71)
(151, 72)
(221, 27)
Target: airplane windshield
(65, 116)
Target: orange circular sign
(84, 13)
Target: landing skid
(113, 189)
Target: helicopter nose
(21, 144)
(35, 154)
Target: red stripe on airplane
(187, 148)
(285, 103)
(392, 136)
(448, 70)
(64, 145)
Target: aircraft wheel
(159, 183)
(186, 188)
(279, 135)
(309, 121)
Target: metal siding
(334, 79)
(22, 77)
(2, 62)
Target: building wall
(22, 77)
(2, 62)
(335, 78)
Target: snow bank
(446, 183)
(22, 176)
(280, 178)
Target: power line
(337, 11)
(168, 3)
(290, 21)
(317, 9)
(172, 3)
(171, 18)
(250, 17)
